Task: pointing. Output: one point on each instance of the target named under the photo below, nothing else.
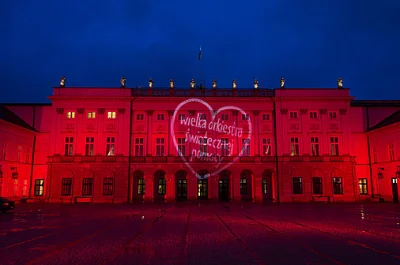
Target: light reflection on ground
(192, 233)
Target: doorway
(223, 190)
(202, 189)
(181, 190)
(395, 190)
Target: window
(313, 115)
(141, 186)
(294, 146)
(39, 187)
(69, 146)
(181, 116)
(203, 146)
(337, 186)
(87, 186)
(362, 183)
(27, 157)
(297, 185)
(160, 117)
(264, 186)
(317, 185)
(225, 150)
(391, 152)
(110, 146)
(246, 147)
(243, 186)
(140, 117)
(266, 117)
(89, 150)
(91, 115)
(162, 186)
(66, 187)
(182, 146)
(314, 146)
(19, 153)
(108, 185)
(245, 117)
(334, 146)
(111, 115)
(202, 188)
(160, 147)
(139, 146)
(374, 156)
(293, 115)
(3, 153)
(266, 147)
(203, 116)
(224, 117)
(71, 115)
(332, 115)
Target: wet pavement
(191, 233)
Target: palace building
(186, 144)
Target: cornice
(282, 99)
(68, 98)
(207, 99)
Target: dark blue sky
(93, 43)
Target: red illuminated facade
(115, 145)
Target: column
(149, 143)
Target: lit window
(91, 115)
(314, 146)
(110, 145)
(294, 146)
(243, 185)
(162, 186)
(141, 186)
(362, 183)
(334, 141)
(111, 115)
(71, 115)
(266, 147)
(337, 186)
(39, 187)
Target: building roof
(392, 119)
(375, 103)
(11, 117)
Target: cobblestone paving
(201, 233)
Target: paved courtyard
(191, 233)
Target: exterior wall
(272, 119)
(380, 140)
(15, 157)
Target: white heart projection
(213, 115)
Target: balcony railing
(146, 92)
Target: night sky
(93, 43)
